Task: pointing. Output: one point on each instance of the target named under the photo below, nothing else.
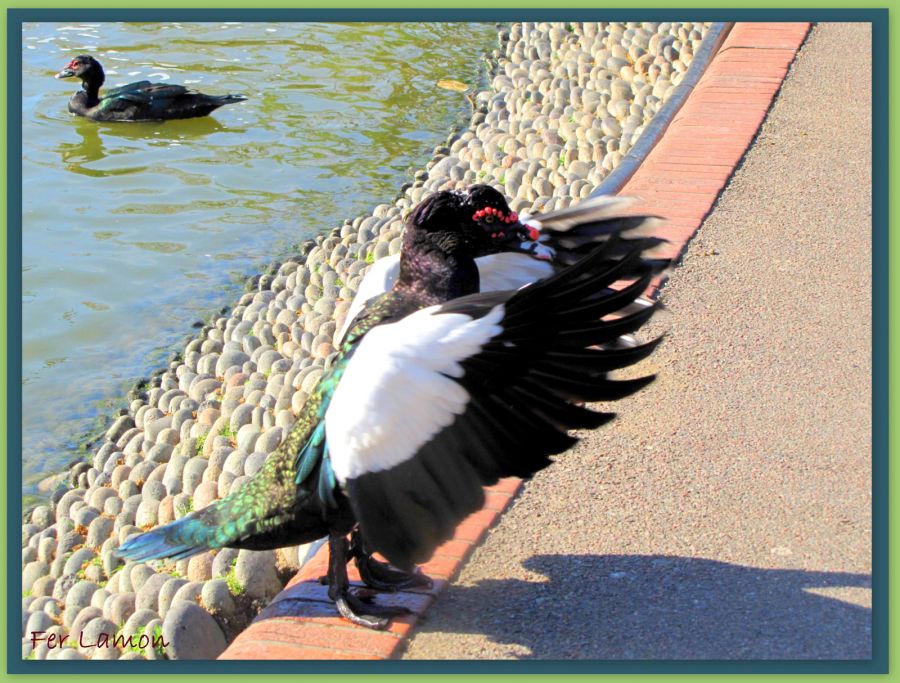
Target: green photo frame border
(467, 10)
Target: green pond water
(132, 232)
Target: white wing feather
(397, 391)
(377, 280)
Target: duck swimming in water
(140, 101)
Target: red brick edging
(681, 179)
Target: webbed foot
(356, 606)
(380, 575)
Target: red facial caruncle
(489, 214)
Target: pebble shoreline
(566, 103)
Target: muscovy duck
(549, 242)
(436, 392)
(140, 101)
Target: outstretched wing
(576, 231)
(451, 398)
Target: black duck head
(84, 67)
(477, 220)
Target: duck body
(139, 101)
(437, 390)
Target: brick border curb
(684, 172)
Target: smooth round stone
(235, 462)
(246, 438)
(148, 594)
(43, 586)
(65, 653)
(76, 561)
(38, 621)
(145, 516)
(129, 655)
(269, 440)
(191, 632)
(216, 598)
(153, 627)
(216, 464)
(62, 508)
(29, 554)
(112, 506)
(182, 502)
(121, 608)
(77, 599)
(140, 472)
(254, 463)
(141, 617)
(64, 583)
(223, 485)
(255, 571)
(128, 489)
(165, 401)
(99, 598)
(189, 591)
(167, 593)
(140, 574)
(112, 585)
(193, 473)
(99, 530)
(91, 634)
(241, 416)
(99, 496)
(166, 511)
(32, 572)
(133, 447)
(211, 346)
(204, 386)
(204, 494)
(153, 490)
(223, 561)
(161, 452)
(41, 516)
(661, 87)
(237, 484)
(83, 516)
(610, 126)
(119, 475)
(153, 429)
(200, 567)
(119, 428)
(172, 479)
(54, 609)
(84, 617)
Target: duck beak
(65, 73)
(524, 238)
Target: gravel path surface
(726, 514)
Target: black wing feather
(525, 388)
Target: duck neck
(436, 268)
(90, 83)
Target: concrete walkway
(726, 514)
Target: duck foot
(380, 575)
(355, 607)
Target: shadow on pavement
(663, 607)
